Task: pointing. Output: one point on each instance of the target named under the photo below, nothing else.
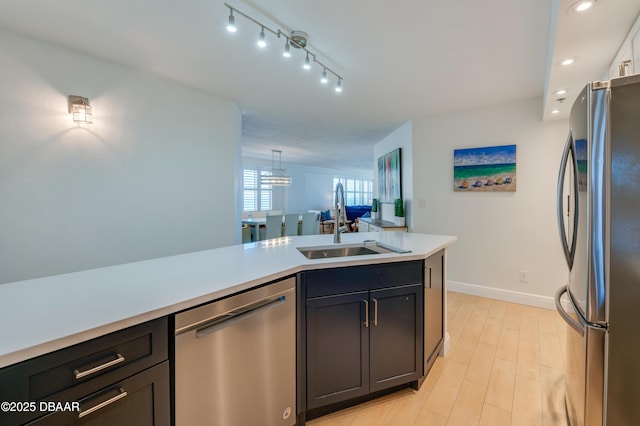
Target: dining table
(260, 222)
(255, 224)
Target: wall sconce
(80, 109)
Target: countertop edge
(20, 355)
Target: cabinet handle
(122, 393)
(428, 277)
(366, 313)
(375, 312)
(80, 374)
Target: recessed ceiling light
(555, 111)
(582, 5)
(561, 92)
(567, 61)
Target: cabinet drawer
(87, 366)
(141, 400)
(326, 282)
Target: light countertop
(42, 315)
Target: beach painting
(485, 169)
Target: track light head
(261, 41)
(339, 85)
(287, 50)
(231, 27)
(324, 79)
(307, 64)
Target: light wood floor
(505, 367)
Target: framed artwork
(389, 184)
(485, 169)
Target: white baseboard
(447, 344)
(529, 299)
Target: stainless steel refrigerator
(599, 222)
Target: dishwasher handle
(240, 316)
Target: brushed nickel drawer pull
(109, 401)
(375, 312)
(80, 374)
(366, 313)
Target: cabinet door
(141, 400)
(337, 348)
(396, 336)
(434, 297)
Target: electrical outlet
(524, 276)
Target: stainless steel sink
(345, 250)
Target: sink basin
(346, 250)
(330, 251)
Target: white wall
(400, 138)
(312, 187)
(499, 233)
(152, 176)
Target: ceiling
(399, 60)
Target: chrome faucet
(339, 210)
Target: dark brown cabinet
(337, 348)
(119, 378)
(433, 308)
(363, 330)
(395, 347)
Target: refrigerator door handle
(569, 250)
(572, 322)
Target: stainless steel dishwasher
(235, 360)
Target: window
(357, 192)
(255, 196)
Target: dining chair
(309, 223)
(291, 224)
(273, 228)
(246, 234)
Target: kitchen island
(51, 313)
(45, 314)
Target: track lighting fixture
(261, 41)
(297, 39)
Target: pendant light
(278, 177)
